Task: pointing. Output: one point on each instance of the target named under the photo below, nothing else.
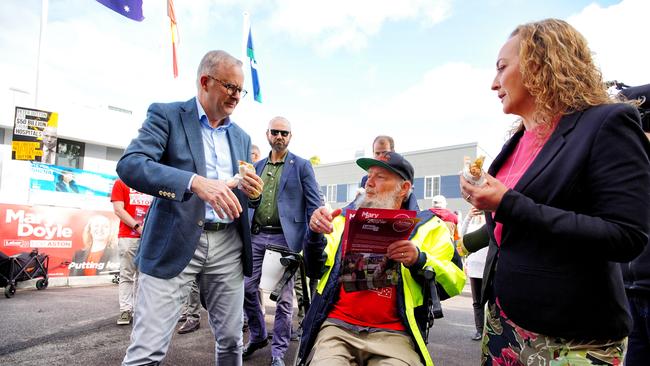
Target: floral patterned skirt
(506, 344)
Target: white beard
(389, 200)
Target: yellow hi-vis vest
(432, 238)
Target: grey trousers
(192, 306)
(128, 284)
(217, 267)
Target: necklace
(511, 179)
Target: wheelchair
(425, 315)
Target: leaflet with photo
(368, 233)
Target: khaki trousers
(338, 346)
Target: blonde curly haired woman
(565, 199)
(99, 253)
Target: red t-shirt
(369, 308)
(135, 203)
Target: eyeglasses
(281, 132)
(231, 88)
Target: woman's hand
(486, 197)
(474, 212)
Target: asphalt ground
(76, 326)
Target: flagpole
(244, 53)
(245, 26)
(41, 36)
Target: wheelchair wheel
(10, 290)
(41, 284)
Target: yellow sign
(34, 135)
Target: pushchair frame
(292, 262)
(36, 266)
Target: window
(331, 193)
(352, 191)
(431, 186)
(70, 153)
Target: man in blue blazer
(290, 196)
(186, 155)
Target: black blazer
(581, 205)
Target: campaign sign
(69, 187)
(34, 135)
(79, 242)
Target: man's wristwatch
(135, 227)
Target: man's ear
(406, 188)
(203, 81)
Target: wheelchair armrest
(432, 292)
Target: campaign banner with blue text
(69, 187)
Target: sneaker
(277, 361)
(125, 318)
(477, 336)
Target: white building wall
(95, 160)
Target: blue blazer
(160, 162)
(297, 197)
(582, 204)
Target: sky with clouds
(341, 71)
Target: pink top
(516, 165)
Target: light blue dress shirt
(218, 162)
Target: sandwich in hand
(473, 171)
(244, 167)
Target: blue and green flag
(251, 57)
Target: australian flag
(131, 9)
(251, 57)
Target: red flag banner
(175, 39)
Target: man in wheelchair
(387, 325)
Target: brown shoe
(191, 324)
